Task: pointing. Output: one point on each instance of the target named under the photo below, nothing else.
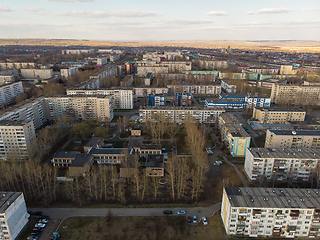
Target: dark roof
(81, 160)
(273, 197)
(12, 123)
(155, 161)
(6, 199)
(150, 146)
(102, 151)
(94, 142)
(71, 154)
(275, 109)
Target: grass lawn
(26, 232)
(118, 144)
(227, 172)
(210, 140)
(75, 145)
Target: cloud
(184, 22)
(4, 8)
(32, 9)
(217, 13)
(79, 1)
(97, 14)
(271, 11)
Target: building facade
(180, 114)
(36, 73)
(9, 92)
(13, 214)
(196, 89)
(271, 212)
(281, 164)
(146, 91)
(228, 87)
(67, 72)
(278, 115)
(233, 135)
(292, 139)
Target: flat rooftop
(6, 199)
(12, 123)
(219, 100)
(150, 146)
(94, 142)
(81, 160)
(70, 154)
(274, 109)
(235, 95)
(103, 151)
(304, 153)
(252, 197)
(296, 132)
(155, 161)
(179, 108)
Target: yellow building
(278, 115)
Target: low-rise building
(81, 165)
(257, 101)
(107, 155)
(13, 214)
(271, 212)
(278, 115)
(155, 166)
(136, 132)
(180, 114)
(233, 97)
(233, 135)
(224, 103)
(292, 139)
(95, 142)
(281, 163)
(64, 159)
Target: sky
(160, 20)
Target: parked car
(194, 219)
(42, 225)
(189, 219)
(32, 237)
(43, 220)
(216, 164)
(38, 213)
(37, 229)
(46, 217)
(181, 212)
(36, 233)
(204, 220)
(167, 212)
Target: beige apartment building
(292, 139)
(80, 106)
(15, 139)
(208, 89)
(295, 94)
(9, 92)
(122, 97)
(278, 115)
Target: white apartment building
(180, 114)
(13, 214)
(292, 139)
(196, 89)
(281, 164)
(9, 92)
(271, 212)
(145, 91)
(228, 87)
(15, 138)
(77, 51)
(266, 71)
(212, 64)
(36, 73)
(17, 65)
(123, 97)
(67, 72)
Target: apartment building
(200, 76)
(257, 101)
(224, 103)
(77, 51)
(122, 97)
(30, 109)
(286, 69)
(295, 94)
(36, 73)
(146, 91)
(196, 89)
(155, 56)
(281, 163)
(180, 114)
(261, 70)
(233, 135)
(156, 69)
(292, 139)
(228, 87)
(211, 64)
(9, 92)
(15, 139)
(13, 214)
(17, 65)
(271, 212)
(67, 72)
(80, 106)
(278, 115)
(156, 100)
(108, 71)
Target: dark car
(189, 219)
(167, 212)
(38, 213)
(37, 229)
(45, 217)
(36, 233)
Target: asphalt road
(62, 213)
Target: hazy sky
(161, 19)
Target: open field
(284, 46)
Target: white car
(216, 164)
(43, 220)
(41, 225)
(219, 162)
(181, 212)
(204, 220)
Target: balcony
(294, 213)
(291, 228)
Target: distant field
(284, 46)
